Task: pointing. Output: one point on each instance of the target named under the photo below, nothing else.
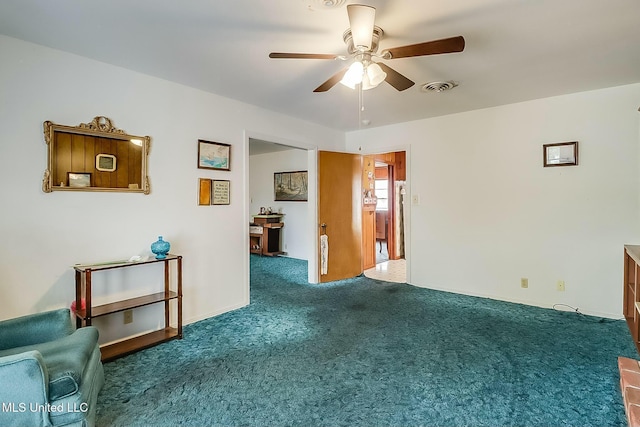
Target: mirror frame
(101, 127)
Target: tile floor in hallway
(389, 271)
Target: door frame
(408, 205)
(313, 269)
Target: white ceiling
(258, 146)
(516, 50)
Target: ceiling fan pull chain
(360, 105)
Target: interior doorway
(310, 228)
(266, 155)
(384, 216)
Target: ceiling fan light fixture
(353, 76)
(361, 20)
(375, 74)
(366, 84)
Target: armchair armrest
(35, 328)
(23, 390)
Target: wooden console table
(84, 316)
(631, 293)
(264, 234)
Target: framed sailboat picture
(290, 186)
(214, 155)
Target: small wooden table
(85, 316)
(264, 235)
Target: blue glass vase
(160, 248)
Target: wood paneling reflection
(77, 153)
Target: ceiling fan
(362, 39)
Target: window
(382, 193)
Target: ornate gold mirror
(95, 156)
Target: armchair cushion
(65, 360)
(22, 377)
(50, 373)
(35, 328)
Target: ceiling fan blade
(361, 21)
(394, 78)
(450, 45)
(283, 55)
(333, 80)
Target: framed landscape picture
(214, 155)
(290, 186)
(79, 179)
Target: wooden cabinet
(85, 316)
(398, 160)
(368, 239)
(368, 212)
(631, 293)
(401, 166)
(264, 235)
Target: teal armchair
(50, 373)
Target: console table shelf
(128, 304)
(122, 348)
(84, 316)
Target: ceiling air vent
(438, 86)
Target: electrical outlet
(524, 282)
(560, 285)
(128, 316)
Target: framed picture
(204, 192)
(106, 162)
(220, 192)
(290, 186)
(79, 179)
(560, 154)
(214, 155)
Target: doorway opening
(264, 157)
(384, 220)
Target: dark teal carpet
(367, 353)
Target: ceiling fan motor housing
(375, 40)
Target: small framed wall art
(560, 154)
(290, 186)
(106, 162)
(214, 155)
(214, 192)
(220, 192)
(204, 192)
(79, 179)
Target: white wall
(295, 236)
(490, 214)
(43, 235)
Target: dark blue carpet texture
(362, 352)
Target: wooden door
(368, 214)
(340, 211)
(391, 211)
